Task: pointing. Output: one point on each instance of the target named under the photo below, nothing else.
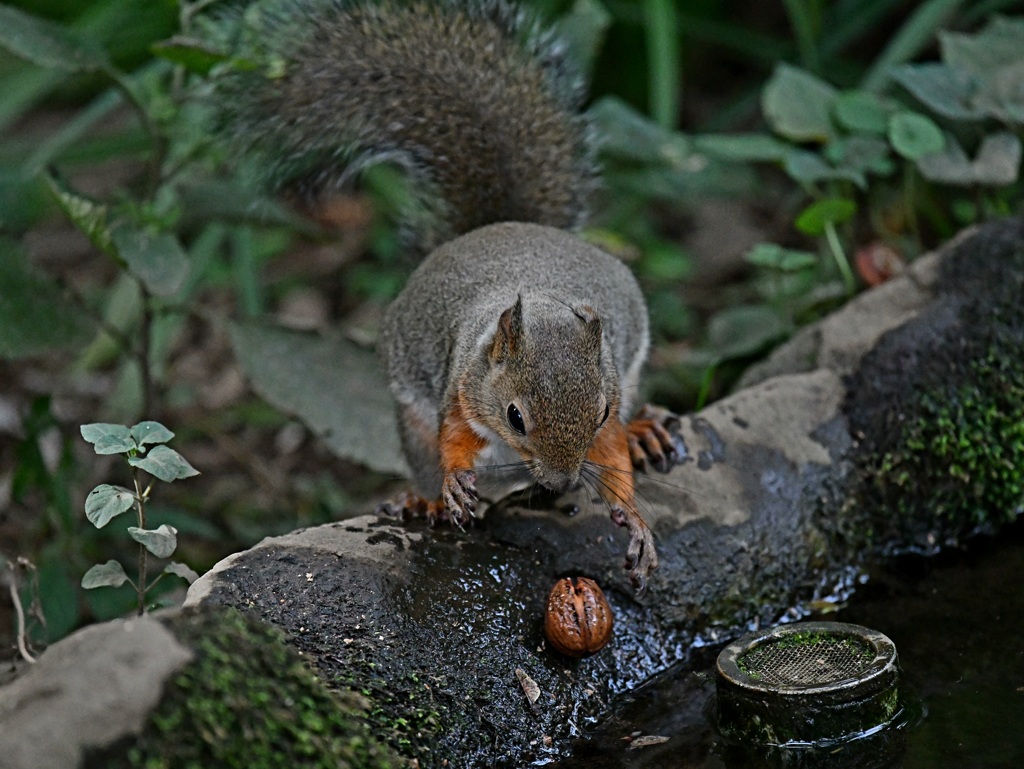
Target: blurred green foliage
(851, 122)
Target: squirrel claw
(641, 555)
(650, 439)
(459, 495)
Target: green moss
(403, 714)
(247, 700)
(966, 447)
(939, 404)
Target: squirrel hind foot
(654, 440)
(409, 506)
(456, 505)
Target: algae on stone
(939, 403)
(247, 700)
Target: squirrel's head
(549, 387)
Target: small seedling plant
(144, 449)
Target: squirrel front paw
(458, 493)
(641, 555)
(650, 439)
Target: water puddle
(957, 620)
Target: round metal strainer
(818, 659)
(807, 682)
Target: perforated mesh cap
(807, 681)
(807, 659)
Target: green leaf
(945, 91)
(798, 105)
(111, 444)
(983, 54)
(106, 502)
(808, 168)
(194, 55)
(335, 388)
(109, 574)
(950, 166)
(164, 463)
(862, 112)
(181, 570)
(123, 307)
(742, 148)
(160, 541)
(108, 439)
(47, 44)
(86, 214)
(744, 330)
(207, 200)
(1003, 95)
(997, 162)
(814, 219)
(35, 316)
(156, 258)
(93, 432)
(150, 432)
(628, 134)
(861, 154)
(775, 257)
(765, 255)
(914, 135)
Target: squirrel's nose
(560, 481)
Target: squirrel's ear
(509, 336)
(591, 326)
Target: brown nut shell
(578, 620)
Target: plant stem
(840, 256)
(663, 61)
(140, 506)
(705, 385)
(909, 204)
(20, 612)
(802, 20)
(145, 342)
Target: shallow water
(957, 620)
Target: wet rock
(199, 687)
(776, 503)
(89, 690)
(764, 513)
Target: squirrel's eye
(604, 416)
(515, 419)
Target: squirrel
(514, 351)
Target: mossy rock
(939, 403)
(247, 700)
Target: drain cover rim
(882, 665)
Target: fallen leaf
(647, 741)
(530, 688)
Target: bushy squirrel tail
(470, 97)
